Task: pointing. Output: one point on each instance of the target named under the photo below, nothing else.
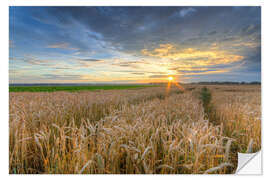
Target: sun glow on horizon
(171, 82)
(170, 78)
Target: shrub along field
(134, 131)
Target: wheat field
(137, 131)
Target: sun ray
(179, 86)
(168, 88)
(171, 82)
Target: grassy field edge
(72, 88)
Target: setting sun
(170, 78)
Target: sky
(134, 44)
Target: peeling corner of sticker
(249, 163)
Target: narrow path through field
(213, 117)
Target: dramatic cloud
(136, 44)
(192, 57)
(61, 46)
(187, 11)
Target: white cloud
(186, 11)
(61, 46)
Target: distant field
(71, 88)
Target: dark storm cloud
(253, 63)
(130, 29)
(250, 29)
(212, 33)
(230, 38)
